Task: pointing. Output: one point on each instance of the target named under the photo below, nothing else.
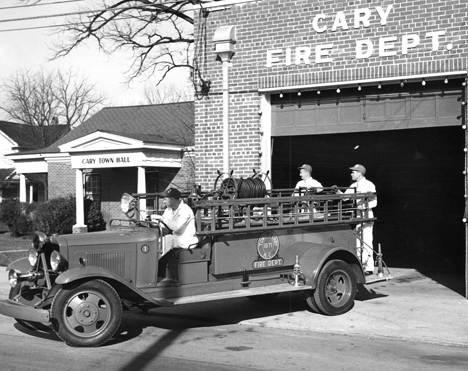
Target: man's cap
(171, 192)
(306, 167)
(359, 168)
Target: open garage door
(412, 146)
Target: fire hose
(230, 187)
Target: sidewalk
(410, 307)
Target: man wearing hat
(178, 219)
(364, 246)
(307, 181)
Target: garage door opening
(420, 183)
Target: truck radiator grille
(112, 260)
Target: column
(31, 193)
(265, 132)
(141, 188)
(22, 195)
(226, 149)
(80, 226)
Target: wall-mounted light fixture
(423, 82)
(338, 90)
(359, 87)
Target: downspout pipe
(224, 40)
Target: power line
(39, 4)
(64, 15)
(44, 16)
(51, 26)
(76, 13)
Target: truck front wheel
(86, 314)
(336, 288)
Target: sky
(30, 50)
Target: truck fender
(21, 264)
(91, 272)
(313, 256)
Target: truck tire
(86, 314)
(336, 288)
(310, 300)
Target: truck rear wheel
(86, 314)
(336, 288)
(310, 300)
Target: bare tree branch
(43, 99)
(159, 34)
(161, 94)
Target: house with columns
(17, 138)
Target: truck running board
(274, 289)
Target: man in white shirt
(307, 181)
(179, 220)
(365, 247)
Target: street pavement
(412, 306)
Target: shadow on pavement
(454, 281)
(208, 314)
(42, 333)
(365, 293)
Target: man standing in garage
(364, 244)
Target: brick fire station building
(332, 84)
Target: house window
(152, 186)
(93, 188)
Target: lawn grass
(8, 246)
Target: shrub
(17, 216)
(57, 215)
(94, 218)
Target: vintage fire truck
(252, 241)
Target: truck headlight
(57, 262)
(13, 278)
(38, 240)
(32, 257)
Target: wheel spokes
(337, 288)
(86, 313)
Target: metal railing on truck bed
(280, 209)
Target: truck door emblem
(267, 247)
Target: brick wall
(277, 25)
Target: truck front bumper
(16, 310)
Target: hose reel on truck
(227, 187)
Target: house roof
(163, 123)
(26, 138)
(5, 174)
